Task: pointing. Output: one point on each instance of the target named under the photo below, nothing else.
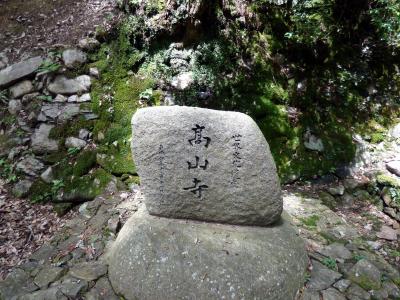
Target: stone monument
(212, 227)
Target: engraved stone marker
(205, 165)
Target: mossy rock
(85, 188)
(40, 191)
(117, 163)
(388, 180)
(62, 208)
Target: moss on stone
(388, 180)
(117, 162)
(310, 221)
(87, 187)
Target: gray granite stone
(206, 165)
(161, 258)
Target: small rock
(73, 98)
(68, 112)
(72, 287)
(336, 251)
(21, 88)
(84, 98)
(322, 277)
(84, 134)
(88, 44)
(66, 86)
(310, 295)
(354, 292)
(347, 200)
(88, 270)
(390, 211)
(30, 165)
(366, 275)
(40, 141)
(337, 190)
(312, 142)
(21, 188)
(395, 131)
(94, 72)
(342, 285)
(386, 196)
(102, 291)
(332, 294)
(355, 183)
(182, 81)
(83, 210)
(14, 106)
(391, 289)
(60, 98)
(47, 176)
(19, 70)
(73, 58)
(387, 233)
(3, 60)
(114, 224)
(17, 283)
(73, 142)
(375, 245)
(29, 97)
(90, 116)
(394, 167)
(52, 293)
(48, 275)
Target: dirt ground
(31, 27)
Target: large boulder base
(160, 258)
(205, 165)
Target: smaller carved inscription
(161, 158)
(236, 159)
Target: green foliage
(385, 15)
(48, 66)
(330, 263)
(358, 257)
(45, 98)
(310, 221)
(7, 171)
(73, 151)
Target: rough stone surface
(387, 233)
(336, 251)
(21, 88)
(65, 86)
(73, 142)
(40, 141)
(354, 292)
(30, 166)
(14, 106)
(366, 275)
(182, 81)
(223, 172)
(48, 275)
(72, 287)
(88, 271)
(332, 294)
(88, 44)
(3, 60)
(342, 285)
(73, 58)
(394, 167)
(160, 258)
(322, 277)
(53, 293)
(395, 131)
(313, 142)
(19, 70)
(102, 291)
(17, 283)
(21, 188)
(47, 175)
